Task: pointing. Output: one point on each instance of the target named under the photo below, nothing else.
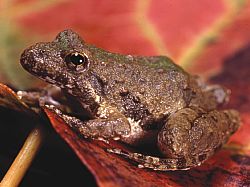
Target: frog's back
(142, 86)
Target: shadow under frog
(135, 99)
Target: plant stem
(24, 159)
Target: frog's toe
(152, 162)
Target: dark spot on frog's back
(133, 107)
(202, 157)
(98, 83)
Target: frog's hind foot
(155, 163)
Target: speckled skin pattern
(137, 100)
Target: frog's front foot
(99, 128)
(41, 97)
(189, 137)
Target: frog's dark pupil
(76, 58)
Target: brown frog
(137, 100)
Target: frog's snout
(27, 59)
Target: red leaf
(132, 26)
(9, 99)
(233, 38)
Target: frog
(137, 100)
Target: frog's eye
(76, 59)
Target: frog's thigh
(187, 139)
(194, 135)
(114, 127)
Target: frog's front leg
(41, 97)
(189, 137)
(208, 96)
(104, 128)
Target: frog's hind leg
(152, 162)
(194, 134)
(189, 137)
